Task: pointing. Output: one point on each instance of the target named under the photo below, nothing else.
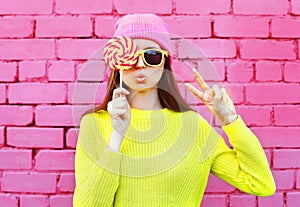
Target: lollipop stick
(121, 77)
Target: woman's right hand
(119, 111)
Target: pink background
(254, 46)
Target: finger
(119, 111)
(217, 92)
(120, 99)
(200, 80)
(224, 95)
(195, 91)
(109, 107)
(119, 92)
(208, 95)
(119, 105)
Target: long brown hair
(168, 91)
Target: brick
(287, 115)
(104, 26)
(267, 49)
(80, 48)
(36, 93)
(278, 136)
(2, 93)
(259, 7)
(34, 137)
(182, 71)
(89, 93)
(61, 200)
(30, 182)
(295, 6)
(233, 26)
(255, 116)
(25, 7)
(16, 27)
(284, 179)
(268, 71)
(206, 48)
(235, 92)
(67, 182)
(298, 49)
(61, 71)
(72, 137)
(276, 200)
(271, 94)
(15, 115)
(33, 201)
(268, 155)
(293, 199)
(213, 200)
(286, 158)
(291, 72)
(8, 72)
(8, 200)
(285, 27)
(27, 49)
(206, 114)
(211, 70)
(63, 26)
(2, 136)
(242, 200)
(240, 71)
(92, 70)
(298, 180)
(216, 185)
(15, 159)
(202, 7)
(184, 26)
(51, 115)
(154, 6)
(55, 160)
(84, 6)
(32, 71)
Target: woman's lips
(140, 78)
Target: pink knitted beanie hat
(146, 26)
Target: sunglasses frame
(163, 52)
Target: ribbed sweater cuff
(242, 138)
(234, 126)
(237, 130)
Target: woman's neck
(147, 99)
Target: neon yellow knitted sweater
(164, 161)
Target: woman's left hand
(215, 98)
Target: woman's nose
(140, 62)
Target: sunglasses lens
(153, 57)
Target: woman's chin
(141, 88)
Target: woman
(144, 146)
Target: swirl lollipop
(120, 53)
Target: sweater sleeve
(97, 180)
(245, 166)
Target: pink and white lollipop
(120, 53)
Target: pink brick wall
(253, 49)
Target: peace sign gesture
(215, 98)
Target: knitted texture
(165, 160)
